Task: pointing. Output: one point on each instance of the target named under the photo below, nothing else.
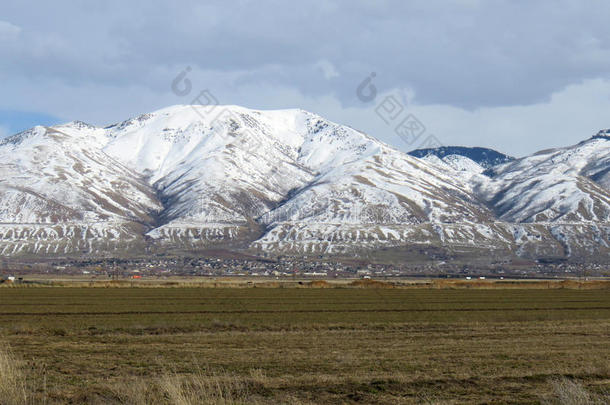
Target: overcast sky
(517, 76)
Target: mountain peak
(602, 134)
(18, 138)
(78, 125)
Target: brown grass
(511, 284)
(570, 392)
(319, 284)
(306, 345)
(369, 283)
(171, 389)
(13, 389)
(226, 282)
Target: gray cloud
(468, 53)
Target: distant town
(292, 267)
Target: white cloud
(8, 31)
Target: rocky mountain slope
(187, 178)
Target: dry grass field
(447, 344)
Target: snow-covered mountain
(187, 178)
(558, 185)
(61, 175)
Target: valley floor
(304, 346)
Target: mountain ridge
(484, 157)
